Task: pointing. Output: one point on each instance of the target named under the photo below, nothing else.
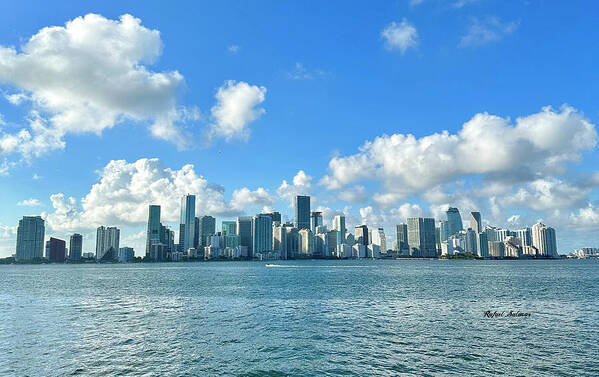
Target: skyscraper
(207, 228)
(107, 239)
(378, 238)
(187, 221)
(475, 222)
(361, 234)
(339, 226)
(525, 236)
(261, 234)
(543, 238)
(315, 220)
(421, 237)
(275, 216)
(56, 252)
(30, 238)
(75, 246)
(402, 238)
(229, 228)
(454, 221)
(443, 231)
(153, 232)
(302, 212)
(244, 231)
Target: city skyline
(446, 106)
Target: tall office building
(443, 231)
(291, 241)
(228, 228)
(378, 238)
(75, 247)
(482, 245)
(543, 238)
(339, 226)
(454, 221)
(187, 221)
(361, 234)
(56, 250)
(244, 231)
(107, 240)
(279, 239)
(306, 242)
(402, 238)
(302, 212)
(525, 236)
(30, 238)
(261, 234)
(421, 237)
(207, 228)
(154, 227)
(275, 216)
(315, 220)
(475, 222)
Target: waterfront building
(482, 245)
(187, 222)
(359, 251)
(378, 238)
(361, 234)
(302, 212)
(475, 222)
(496, 249)
(525, 236)
(206, 228)
(261, 234)
(402, 238)
(75, 247)
(512, 247)
(443, 230)
(229, 228)
(275, 216)
(153, 232)
(544, 240)
(56, 250)
(421, 237)
(305, 242)
(126, 254)
(244, 231)
(315, 220)
(339, 225)
(107, 239)
(279, 239)
(454, 221)
(470, 241)
(30, 238)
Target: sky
(380, 110)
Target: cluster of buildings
(264, 236)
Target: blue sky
(312, 82)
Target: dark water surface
(318, 318)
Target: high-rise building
(279, 239)
(402, 238)
(443, 231)
(187, 221)
(75, 247)
(339, 226)
(315, 220)
(306, 242)
(475, 222)
(421, 237)
(361, 234)
(229, 228)
(153, 233)
(107, 239)
(496, 249)
(544, 240)
(244, 231)
(30, 238)
(207, 228)
(261, 234)
(454, 221)
(126, 254)
(56, 253)
(302, 212)
(275, 216)
(378, 238)
(525, 236)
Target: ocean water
(303, 318)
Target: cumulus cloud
(374, 217)
(301, 185)
(486, 31)
(236, 107)
(400, 36)
(89, 75)
(535, 146)
(125, 189)
(30, 203)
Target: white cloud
(233, 49)
(356, 194)
(462, 3)
(379, 218)
(400, 36)
(301, 185)
(487, 31)
(30, 203)
(535, 146)
(36, 176)
(87, 76)
(236, 107)
(124, 191)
